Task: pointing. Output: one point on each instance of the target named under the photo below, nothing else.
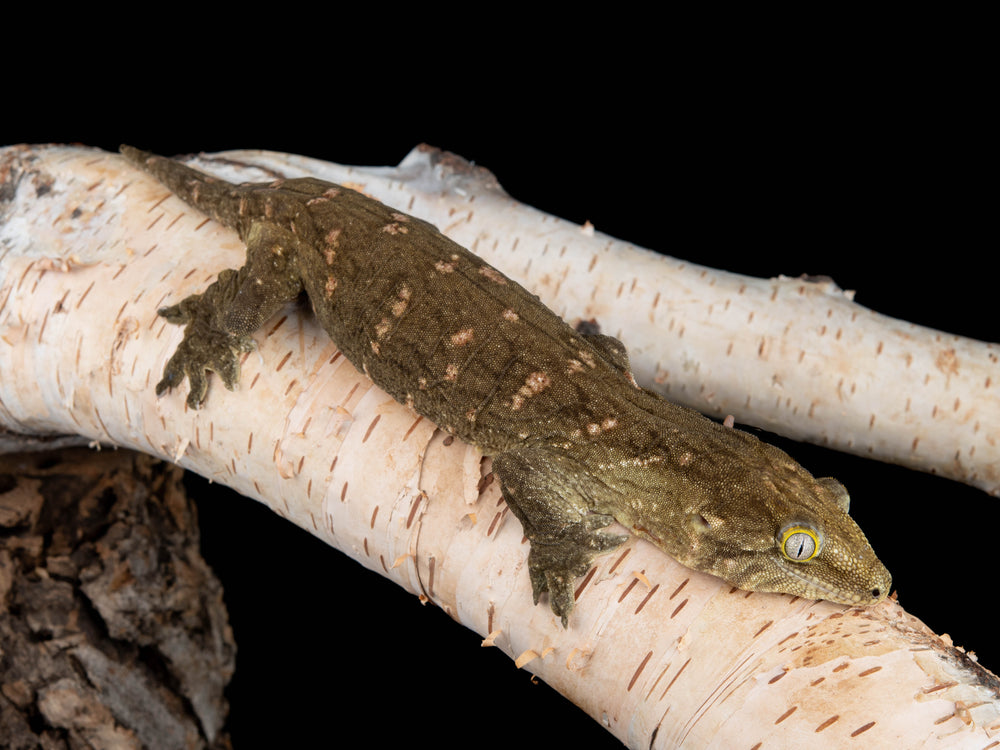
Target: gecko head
(826, 557)
(745, 511)
(773, 527)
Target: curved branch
(662, 656)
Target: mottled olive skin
(576, 444)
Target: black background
(868, 164)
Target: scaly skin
(575, 442)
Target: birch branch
(660, 655)
(794, 356)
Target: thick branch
(661, 655)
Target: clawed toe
(555, 564)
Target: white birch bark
(792, 356)
(660, 655)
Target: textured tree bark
(661, 656)
(112, 628)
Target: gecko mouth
(840, 596)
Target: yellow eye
(799, 543)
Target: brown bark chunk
(112, 627)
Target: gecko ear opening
(839, 492)
(699, 522)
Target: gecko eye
(799, 543)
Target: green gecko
(576, 443)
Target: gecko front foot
(554, 564)
(204, 347)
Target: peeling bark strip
(927, 693)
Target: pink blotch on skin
(493, 275)
(463, 337)
(403, 301)
(535, 383)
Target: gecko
(576, 444)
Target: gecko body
(575, 443)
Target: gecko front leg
(219, 322)
(559, 521)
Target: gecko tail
(210, 195)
